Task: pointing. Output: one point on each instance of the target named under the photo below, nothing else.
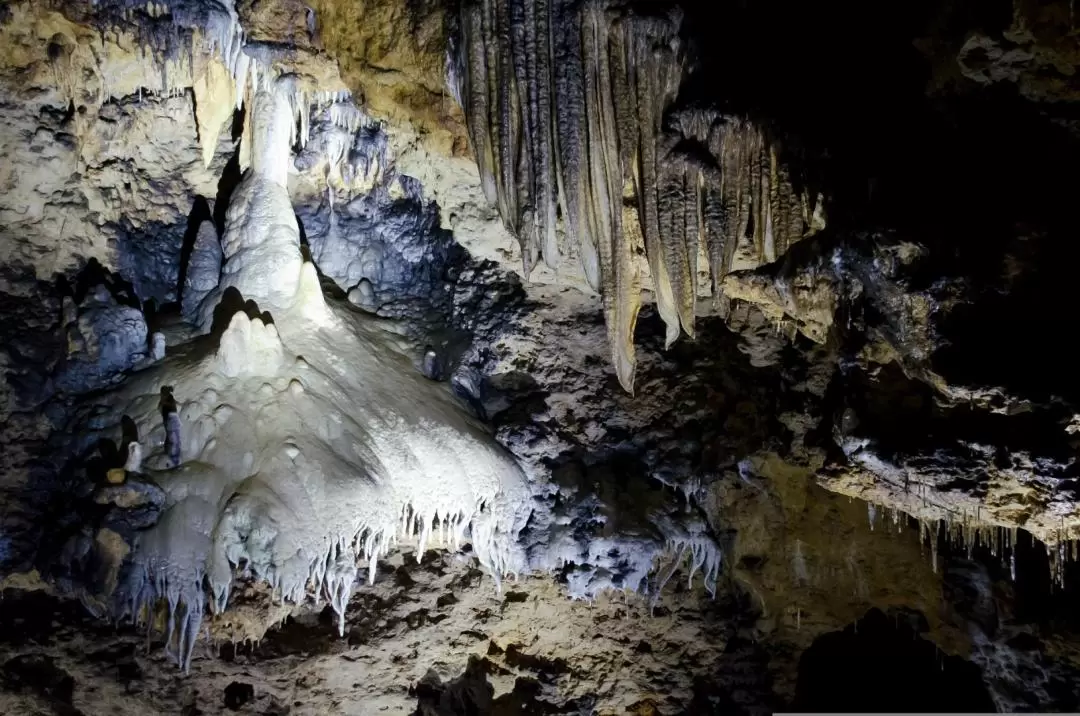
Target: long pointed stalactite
(572, 114)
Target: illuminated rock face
(305, 444)
(306, 448)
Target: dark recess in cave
(1052, 607)
(972, 177)
(230, 179)
(882, 664)
(200, 212)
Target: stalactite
(569, 133)
(571, 110)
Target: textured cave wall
(437, 276)
(984, 452)
(1027, 45)
(392, 53)
(371, 229)
(944, 269)
(99, 147)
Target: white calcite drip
(224, 37)
(309, 447)
(348, 170)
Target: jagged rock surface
(102, 158)
(419, 625)
(104, 338)
(392, 54)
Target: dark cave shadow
(93, 274)
(303, 234)
(1012, 335)
(102, 457)
(881, 663)
(867, 120)
(1053, 608)
(471, 693)
(895, 154)
(328, 285)
(231, 303)
(129, 432)
(230, 179)
(906, 417)
(200, 212)
(231, 176)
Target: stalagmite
(157, 346)
(571, 109)
(134, 458)
(203, 270)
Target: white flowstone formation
(307, 445)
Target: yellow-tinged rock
(116, 476)
(215, 100)
(111, 550)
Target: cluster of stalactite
(570, 109)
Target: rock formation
(341, 369)
(572, 110)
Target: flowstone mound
(305, 446)
(302, 444)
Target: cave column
(272, 131)
(261, 242)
